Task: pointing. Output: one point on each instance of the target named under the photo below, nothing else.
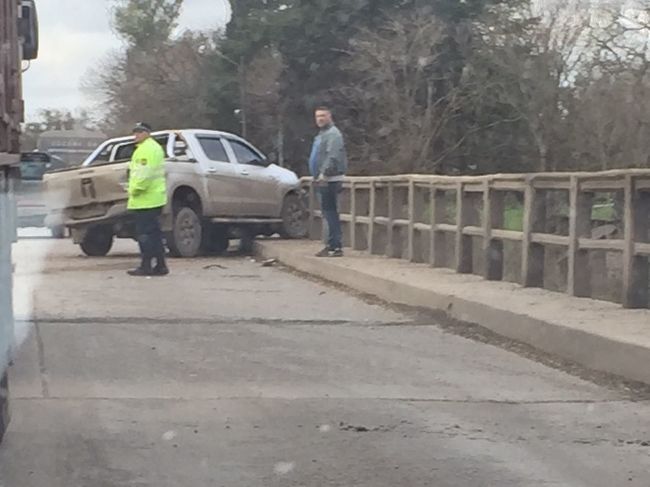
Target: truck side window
(162, 140)
(213, 149)
(104, 155)
(246, 155)
(124, 153)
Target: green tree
(313, 38)
(146, 24)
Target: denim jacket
(331, 159)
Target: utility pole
(241, 75)
(281, 137)
(242, 97)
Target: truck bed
(85, 192)
(86, 185)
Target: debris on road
(214, 266)
(284, 468)
(169, 435)
(364, 429)
(269, 263)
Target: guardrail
(586, 234)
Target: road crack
(45, 385)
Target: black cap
(142, 127)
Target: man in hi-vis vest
(147, 198)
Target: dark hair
(323, 108)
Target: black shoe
(160, 271)
(335, 253)
(140, 272)
(324, 253)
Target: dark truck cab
(30, 199)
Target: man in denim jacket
(328, 164)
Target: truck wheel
(247, 241)
(294, 217)
(186, 235)
(97, 242)
(215, 240)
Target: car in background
(30, 198)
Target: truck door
(259, 189)
(224, 185)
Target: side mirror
(28, 29)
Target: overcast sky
(75, 35)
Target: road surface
(227, 373)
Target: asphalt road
(227, 373)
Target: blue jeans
(329, 195)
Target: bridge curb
(596, 334)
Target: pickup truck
(219, 185)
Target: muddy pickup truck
(220, 187)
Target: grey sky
(76, 35)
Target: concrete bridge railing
(586, 234)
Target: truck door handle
(244, 172)
(212, 170)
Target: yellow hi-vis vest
(147, 181)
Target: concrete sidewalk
(596, 334)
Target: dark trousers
(150, 237)
(329, 193)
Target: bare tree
(264, 104)
(610, 109)
(404, 99)
(531, 71)
(167, 88)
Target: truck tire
(294, 218)
(97, 242)
(187, 234)
(247, 241)
(215, 240)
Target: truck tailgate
(87, 186)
